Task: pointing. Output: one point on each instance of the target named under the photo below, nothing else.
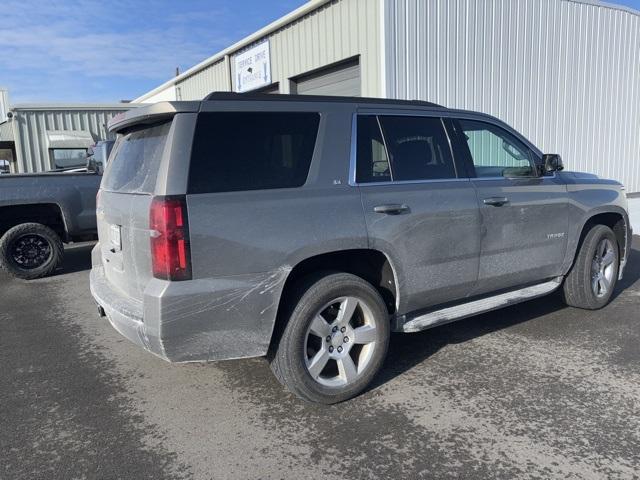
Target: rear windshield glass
(235, 151)
(133, 167)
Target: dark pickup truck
(38, 212)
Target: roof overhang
(69, 139)
(71, 106)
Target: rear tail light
(170, 253)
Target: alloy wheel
(603, 268)
(340, 342)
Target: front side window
(402, 148)
(496, 152)
(69, 157)
(235, 151)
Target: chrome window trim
(354, 147)
(411, 182)
(542, 177)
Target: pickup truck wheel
(591, 281)
(336, 338)
(30, 250)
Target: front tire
(335, 340)
(30, 250)
(592, 279)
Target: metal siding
(196, 87)
(336, 31)
(566, 74)
(6, 132)
(31, 141)
(166, 95)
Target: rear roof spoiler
(152, 113)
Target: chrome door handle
(391, 209)
(496, 201)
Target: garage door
(342, 80)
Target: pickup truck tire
(30, 250)
(335, 340)
(592, 279)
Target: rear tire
(30, 250)
(335, 340)
(592, 279)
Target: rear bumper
(198, 320)
(124, 314)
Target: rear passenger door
(524, 215)
(418, 208)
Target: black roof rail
(265, 97)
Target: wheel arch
(613, 217)
(371, 265)
(50, 214)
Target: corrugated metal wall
(336, 31)
(166, 95)
(31, 125)
(197, 86)
(564, 73)
(6, 132)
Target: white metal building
(566, 73)
(36, 138)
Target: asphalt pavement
(538, 390)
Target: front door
(524, 215)
(418, 210)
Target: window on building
(235, 151)
(69, 157)
(496, 152)
(6, 157)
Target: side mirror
(552, 162)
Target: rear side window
(418, 148)
(234, 151)
(373, 164)
(402, 148)
(133, 166)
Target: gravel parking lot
(537, 390)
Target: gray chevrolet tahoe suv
(306, 229)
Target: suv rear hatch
(123, 205)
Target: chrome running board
(476, 307)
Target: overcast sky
(97, 51)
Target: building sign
(253, 68)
